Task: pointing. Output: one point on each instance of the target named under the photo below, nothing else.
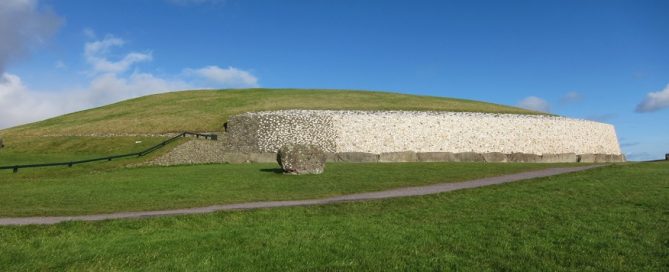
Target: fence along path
(15, 168)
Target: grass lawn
(31, 150)
(608, 219)
(208, 110)
(101, 188)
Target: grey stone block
(408, 156)
(469, 157)
(523, 157)
(559, 158)
(666, 157)
(435, 157)
(242, 134)
(495, 157)
(357, 157)
(331, 157)
(600, 158)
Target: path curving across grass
(90, 190)
(399, 192)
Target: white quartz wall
(397, 131)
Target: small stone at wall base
(495, 157)
(436, 157)
(299, 159)
(408, 156)
(357, 157)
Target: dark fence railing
(16, 168)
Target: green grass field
(608, 219)
(208, 110)
(94, 189)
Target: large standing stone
(1, 144)
(301, 159)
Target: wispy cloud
(229, 77)
(96, 54)
(535, 103)
(654, 101)
(571, 97)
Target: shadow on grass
(272, 170)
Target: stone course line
(393, 193)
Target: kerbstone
(523, 157)
(357, 157)
(600, 158)
(495, 157)
(435, 157)
(559, 158)
(469, 157)
(297, 159)
(407, 156)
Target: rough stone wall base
(205, 151)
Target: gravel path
(400, 192)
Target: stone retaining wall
(421, 132)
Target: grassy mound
(208, 110)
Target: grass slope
(99, 188)
(208, 110)
(608, 219)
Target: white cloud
(22, 26)
(655, 101)
(534, 103)
(110, 87)
(109, 83)
(228, 78)
(89, 33)
(96, 54)
(20, 105)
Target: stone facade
(394, 132)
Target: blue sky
(601, 60)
